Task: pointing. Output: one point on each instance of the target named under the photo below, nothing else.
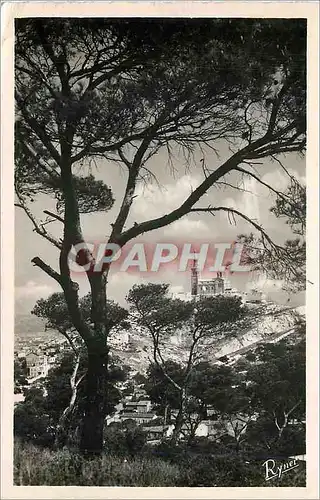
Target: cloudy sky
(152, 201)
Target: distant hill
(272, 323)
(28, 323)
(29, 327)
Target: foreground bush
(34, 467)
(219, 471)
(124, 439)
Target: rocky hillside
(26, 324)
(272, 322)
(30, 330)
(269, 323)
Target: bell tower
(194, 279)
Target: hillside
(269, 323)
(30, 329)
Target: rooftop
(137, 403)
(156, 428)
(137, 415)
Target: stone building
(37, 365)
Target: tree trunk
(95, 403)
(91, 442)
(179, 420)
(63, 427)
(193, 431)
(282, 428)
(177, 428)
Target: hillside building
(139, 418)
(217, 285)
(37, 365)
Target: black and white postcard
(159, 253)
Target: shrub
(38, 467)
(219, 471)
(124, 439)
(173, 453)
(35, 466)
(33, 424)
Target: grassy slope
(34, 466)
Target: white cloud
(280, 180)
(119, 284)
(247, 202)
(153, 201)
(256, 204)
(34, 290)
(27, 295)
(265, 284)
(187, 227)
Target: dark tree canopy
(36, 418)
(55, 311)
(286, 262)
(173, 385)
(110, 84)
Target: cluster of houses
(38, 362)
(138, 411)
(135, 407)
(121, 341)
(141, 412)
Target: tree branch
(48, 170)
(194, 197)
(278, 193)
(132, 179)
(184, 208)
(55, 216)
(32, 122)
(47, 269)
(89, 149)
(293, 408)
(38, 227)
(156, 349)
(275, 107)
(240, 214)
(69, 339)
